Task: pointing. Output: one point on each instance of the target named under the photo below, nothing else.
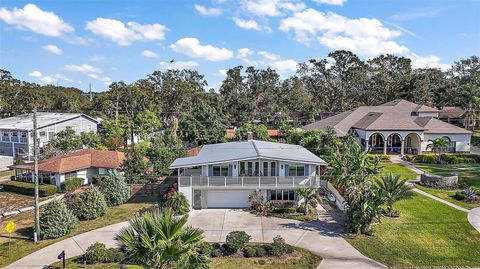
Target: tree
(438, 145)
(202, 126)
(135, 166)
(259, 131)
(157, 239)
(392, 189)
(65, 141)
(468, 97)
(146, 123)
(92, 140)
(310, 197)
(114, 188)
(163, 151)
(321, 143)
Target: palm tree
(309, 196)
(438, 145)
(178, 203)
(157, 239)
(392, 189)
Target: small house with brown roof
(83, 163)
(398, 126)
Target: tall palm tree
(309, 196)
(157, 239)
(392, 189)
(438, 145)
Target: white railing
(249, 182)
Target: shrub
(205, 248)
(71, 184)
(426, 158)
(216, 252)
(249, 251)
(216, 246)
(237, 240)
(56, 220)
(97, 179)
(98, 253)
(460, 195)
(115, 189)
(279, 247)
(178, 203)
(260, 251)
(28, 188)
(90, 204)
(289, 249)
(410, 157)
(290, 210)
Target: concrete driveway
(321, 237)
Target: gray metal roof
(245, 150)
(25, 121)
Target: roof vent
(249, 135)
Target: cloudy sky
(74, 43)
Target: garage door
(228, 199)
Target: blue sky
(74, 43)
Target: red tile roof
(82, 159)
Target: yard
(23, 245)
(428, 233)
(10, 201)
(467, 173)
(398, 169)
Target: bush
(90, 204)
(380, 157)
(289, 249)
(28, 188)
(178, 203)
(410, 157)
(260, 251)
(216, 246)
(97, 179)
(460, 195)
(237, 240)
(290, 210)
(115, 189)
(56, 220)
(249, 251)
(426, 158)
(279, 247)
(205, 248)
(98, 253)
(71, 184)
(216, 252)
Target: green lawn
(398, 169)
(428, 233)
(22, 244)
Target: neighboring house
(395, 127)
(457, 116)
(230, 133)
(224, 175)
(83, 163)
(17, 135)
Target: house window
(273, 169)
(220, 171)
(282, 195)
(269, 169)
(296, 170)
(71, 175)
(265, 169)
(246, 169)
(42, 133)
(5, 136)
(51, 135)
(14, 136)
(24, 137)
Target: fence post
(293, 181)
(276, 181)
(258, 181)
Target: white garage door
(228, 199)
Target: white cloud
(244, 52)
(416, 14)
(364, 36)
(250, 25)
(272, 8)
(106, 80)
(429, 61)
(35, 74)
(60, 76)
(332, 2)
(33, 18)
(191, 46)
(274, 61)
(96, 58)
(223, 72)
(124, 35)
(48, 79)
(150, 54)
(82, 68)
(178, 65)
(53, 49)
(208, 11)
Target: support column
(366, 145)
(402, 147)
(385, 147)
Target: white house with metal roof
(223, 175)
(16, 136)
(398, 126)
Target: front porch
(392, 143)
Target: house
(398, 126)
(17, 135)
(224, 175)
(230, 133)
(458, 116)
(83, 163)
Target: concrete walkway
(474, 218)
(322, 238)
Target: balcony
(250, 182)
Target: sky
(77, 43)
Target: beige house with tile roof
(398, 126)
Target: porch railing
(249, 181)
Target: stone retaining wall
(438, 181)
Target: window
(296, 170)
(5, 136)
(24, 137)
(51, 135)
(220, 171)
(282, 195)
(273, 168)
(71, 175)
(265, 169)
(42, 133)
(14, 136)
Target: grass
(10, 201)
(5, 173)
(398, 169)
(447, 195)
(300, 259)
(22, 244)
(428, 233)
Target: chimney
(249, 135)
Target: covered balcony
(248, 182)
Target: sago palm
(309, 196)
(393, 189)
(157, 239)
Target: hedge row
(28, 188)
(71, 184)
(447, 158)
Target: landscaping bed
(10, 201)
(427, 234)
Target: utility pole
(36, 234)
